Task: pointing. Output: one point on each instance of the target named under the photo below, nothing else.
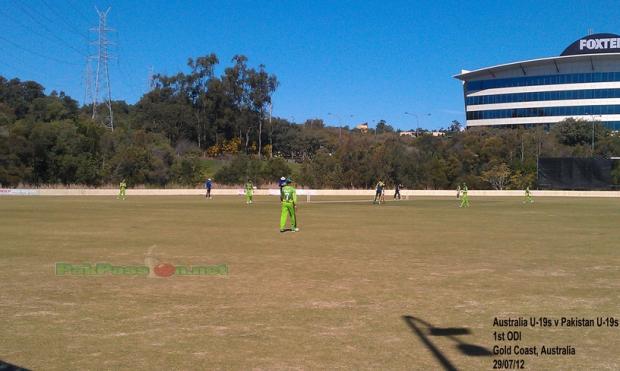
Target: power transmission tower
(102, 72)
(88, 83)
(150, 84)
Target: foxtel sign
(594, 44)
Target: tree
(262, 85)
(240, 170)
(199, 81)
(188, 170)
(324, 171)
(383, 127)
(498, 176)
(573, 132)
(518, 180)
(455, 126)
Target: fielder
(288, 198)
(208, 185)
(464, 197)
(249, 190)
(121, 192)
(528, 196)
(397, 190)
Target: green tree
(498, 176)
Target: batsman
(288, 198)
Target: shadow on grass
(9, 367)
(426, 330)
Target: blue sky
(362, 61)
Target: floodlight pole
(270, 131)
(417, 120)
(592, 136)
(592, 119)
(339, 124)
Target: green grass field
(338, 294)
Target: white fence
(301, 192)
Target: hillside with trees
(196, 124)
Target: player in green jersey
(249, 191)
(464, 196)
(288, 198)
(121, 192)
(528, 196)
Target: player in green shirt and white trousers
(249, 191)
(121, 192)
(464, 196)
(528, 196)
(288, 198)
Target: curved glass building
(583, 82)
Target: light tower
(102, 72)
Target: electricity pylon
(102, 72)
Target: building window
(471, 86)
(545, 111)
(544, 96)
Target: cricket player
(464, 197)
(379, 193)
(208, 185)
(528, 196)
(288, 198)
(281, 183)
(458, 191)
(249, 190)
(397, 190)
(121, 192)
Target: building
(362, 127)
(583, 83)
(408, 133)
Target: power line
(88, 93)
(37, 53)
(73, 28)
(11, 66)
(28, 28)
(78, 12)
(125, 80)
(21, 73)
(23, 10)
(122, 70)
